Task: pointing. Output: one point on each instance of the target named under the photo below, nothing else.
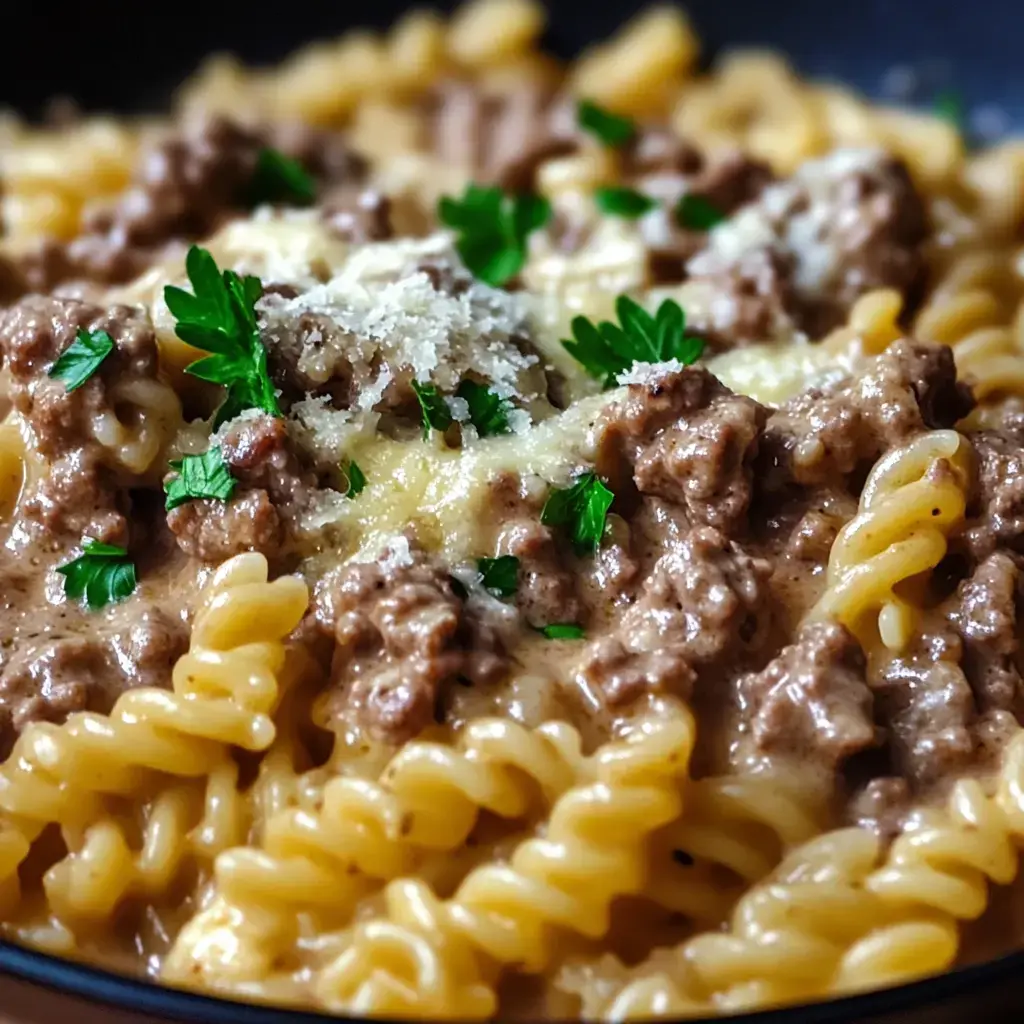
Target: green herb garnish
(82, 358)
(200, 476)
(435, 411)
(356, 480)
(623, 202)
(605, 350)
(488, 412)
(220, 318)
(582, 508)
(103, 573)
(608, 128)
(949, 104)
(697, 213)
(562, 631)
(493, 229)
(280, 179)
(499, 575)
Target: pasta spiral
(439, 958)
(224, 689)
(976, 310)
(324, 858)
(734, 827)
(833, 919)
(913, 498)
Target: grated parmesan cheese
(381, 318)
(649, 373)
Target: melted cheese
(441, 493)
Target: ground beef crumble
(402, 633)
(826, 434)
(273, 490)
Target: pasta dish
(484, 536)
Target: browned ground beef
(499, 135)
(828, 433)
(80, 494)
(403, 632)
(689, 440)
(996, 516)
(184, 187)
(810, 247)
(273, 490)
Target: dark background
(127, 55)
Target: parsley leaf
(220, 318)
(488, 412)
(697, 213)
(436, 414)
(606, 127)
(950, 106)
(279, 179)
(82, 358)
(356, 480)
(500, 575)
(103, 574)
(582, 508)
(623, 202)
(605, 350)
(200, 476)
(562, 631)
(493, 229)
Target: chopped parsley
(608, 128)
(200, 476)
(562, 631)
(82, 358)
(356, 480)
(950, 106)
(280, 179)
(488, 412)
(581, 508)
(435, 411)
(623, 202)
(103, 574)
(220, 318)
(605, 350)
(499, 575)
(492, 229)
(697, 213)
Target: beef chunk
(746, 300)
(841, 226)
(662, 165)
(273, 491)
(34, 333)
(828, 433)
(996, 515)
(185, 187)
(48, 674)
(547, 588)
(985, 616)
(811, 700)
(499, 135)
(401, 635)
(926, 706)
(704, 603)
(689, 440)
(81, 493)
(358, 215)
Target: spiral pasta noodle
(440, 958)
(734, 832)
(912, 499)
(324, 858)
(224, 690)
(834, 920)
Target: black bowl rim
(130, 993)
